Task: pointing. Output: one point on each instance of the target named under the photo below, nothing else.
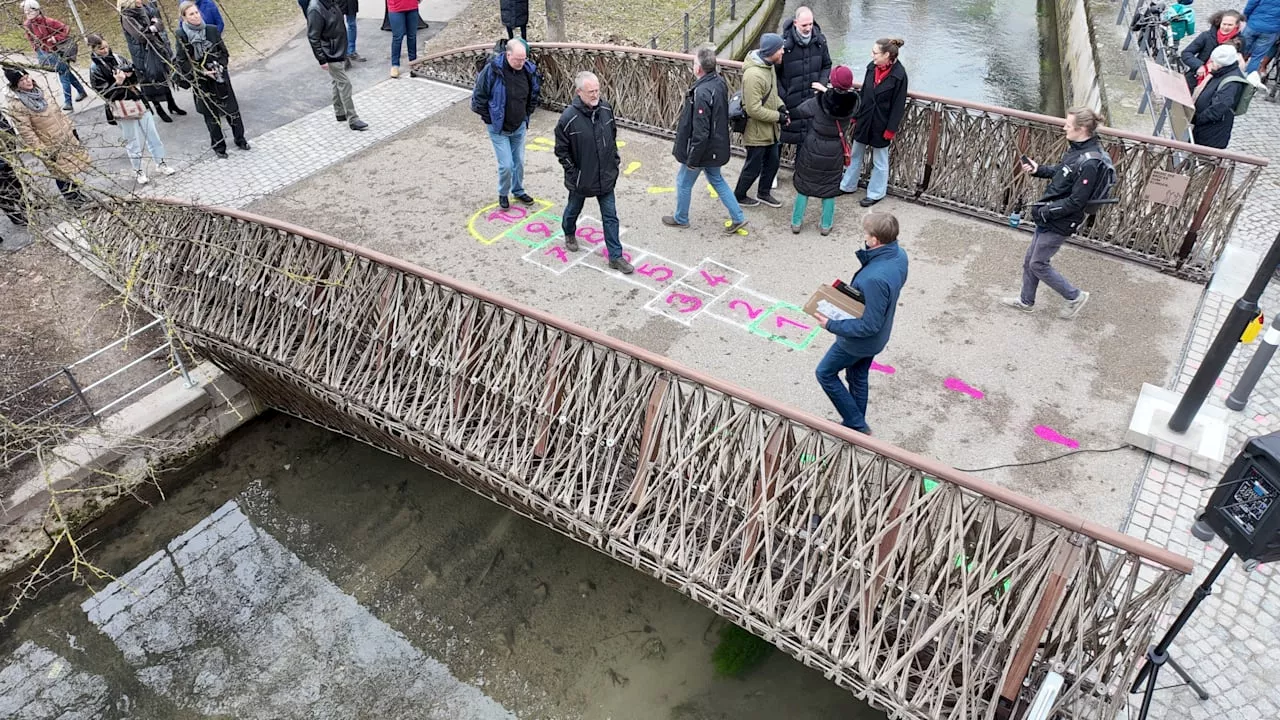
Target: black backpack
(1106, 180)
(737, 114)
(499, 48)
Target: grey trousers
(342, 102)
(1036, 267)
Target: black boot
(173, 104)
(164, 116)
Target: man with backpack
(1085, 175)
(765, 111)
(1221, 95)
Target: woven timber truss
(907, 583)
(955, 154)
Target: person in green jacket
(765, 111)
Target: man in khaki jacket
(765, 110)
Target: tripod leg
(1182, 673)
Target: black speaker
(1244, 509)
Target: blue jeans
(404, 27)
(1036, 267)
(351, 34)
(1257, 45)
(69, 80)
(850, 401)
(878, 185)
(509, 149)
(609, 218)
(686, 177)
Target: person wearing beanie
(48, 37)
(825, 152)
(884, 103)
(1224, 29)
(1215, 98)
(805, 60)
(765, 113)
(47, 133)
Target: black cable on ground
(1046, 460)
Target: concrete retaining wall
(741, 37)
(1081, 82)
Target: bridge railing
(956, 154)
(918, 587)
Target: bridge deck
(1077, 378)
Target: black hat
(13, 75)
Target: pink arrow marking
(961, 386)
(1047, 433)
(886, 369)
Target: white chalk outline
(714, 308)
(686, 290)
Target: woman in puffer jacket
(821, 157)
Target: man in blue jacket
(505, 95)
(858, 340)
(1261, 30)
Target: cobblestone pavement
(287, 154)
(1232, 642)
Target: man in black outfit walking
(587, 148)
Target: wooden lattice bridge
(925, 591)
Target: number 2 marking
(752, 313)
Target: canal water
(1000, 52)
(301, 574)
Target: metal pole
(686, 32)
(654, 42)
(711, 27)
(182, 367)
(1244, 311)
(733, 9)
(79, 393)
(76, 14)
(1261, 358)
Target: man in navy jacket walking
(858, 340)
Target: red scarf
(882, 72)
(1223, 39)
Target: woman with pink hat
(824, 153)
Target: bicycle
(1152, 30)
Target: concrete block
(1204, 444)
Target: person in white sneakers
(115, 79)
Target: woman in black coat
(152, 55)
(884, 103)
(202, 66)
(820, 159)
(1215, 100)
(515, 14)
(1224, 28)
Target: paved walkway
(1232, 643)
(287, 154)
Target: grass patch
(739, 652)
(248, 24)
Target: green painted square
(760, 326)
(930, 484)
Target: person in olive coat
(1215, 98)
(515, 14)
(820, 158)
(884, 103)
(1224, 29)
(587, 148)
(805, 60)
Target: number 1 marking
(779, 321)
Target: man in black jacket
(1060, 211)
(587, 148)
(805, 60)
(327, 32)
(702, 142)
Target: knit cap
(770, 43)
(1225, 55)
(842, 78)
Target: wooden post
(550, 404)
(649, 439)
(931, 152)
(1064, 561)
(774, 449)
(1206, 202)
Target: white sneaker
(1255, 79)
(1072, 308)
(165, 169)
(1016, 303)
(142, 178)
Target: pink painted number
(714, 280)
(538, 229)
(779, 321)
(690, 303)
(509, 215)
(752, 313)
(558, 252)
(654, 271)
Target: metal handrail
(80, 391)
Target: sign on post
(1165, 188)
